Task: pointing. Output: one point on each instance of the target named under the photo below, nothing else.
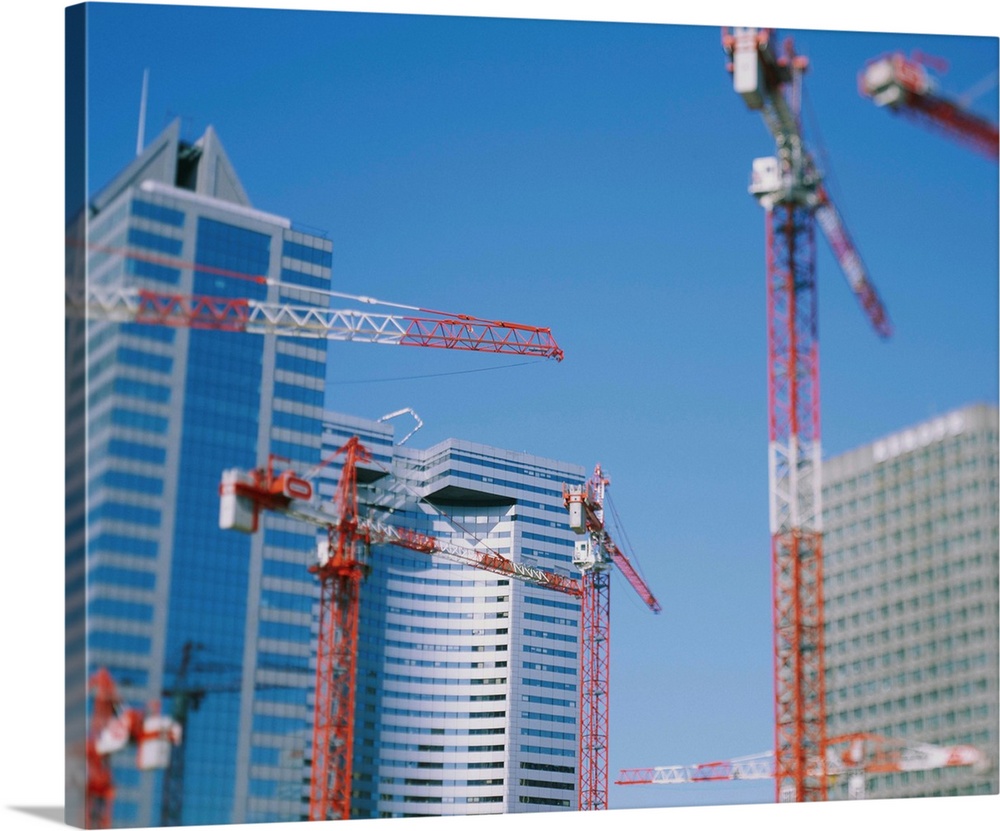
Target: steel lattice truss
(789, 187)
(595, 664)
(852, 754)
(759, 766)
(459, 332)
(336, 681)
(794, 471)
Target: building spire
(141, 139)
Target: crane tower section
(594, 556)
(786, 186)
(790, 188)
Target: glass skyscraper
(911, 572)
(213, 622)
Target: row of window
(438, 783)
(425, 765)
(446, 615)
(438, 630)
(928, 698)
(918, 726)
(441, 748)
(437, 697)
(423, 646)
(307, 254)
(123, 544)
(443, 714)
(440, 731)
(410, 662)
(416, 679)
(157, 213)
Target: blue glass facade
(167, 410)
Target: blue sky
(591, 177)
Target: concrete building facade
(910, 585)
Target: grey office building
(910, 585)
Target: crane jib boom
(903, 85)
(865, 752)
(762, 78)
(244, 495)
(459, 332)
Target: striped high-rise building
(468, 682)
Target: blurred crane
(905, 86)
(186, 693)
(854, 755)
(124, 303)
(342, 564)
(113, 727)
(790, 188)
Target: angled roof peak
(202, 167)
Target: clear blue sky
(591, 177)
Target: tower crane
(594, 556)
(113, 727)
(905, 86)
(854, 755)
(342, 563)
(789, 187)
(184, 699)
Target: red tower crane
(113, 726)
(789, 187)
(854, 755)
(342, 565)
(594, 556)
(904, 86)
(340, 572)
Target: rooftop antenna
(141, 140)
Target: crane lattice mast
(594, 556)
(112, 727)
(789, 187)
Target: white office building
(467, 680)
